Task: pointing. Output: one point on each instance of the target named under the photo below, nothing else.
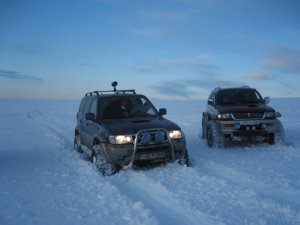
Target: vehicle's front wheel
(203, 133)
(214, 137)
(101, 161)
(77, 143)
(279, 136)
(184, 158)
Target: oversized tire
(184, 159)
(77, 143)
(279, 136)
(203, 133)
(104, 166)
(214, 137)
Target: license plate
(152, 155)
(250, 122)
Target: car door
(83, 120)
(91, 125)
(80, 115)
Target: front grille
(248, 115)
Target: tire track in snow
(208, 194)
(287, 195)
(54, 125)
(221, 200)
(168, 206)
(98, 197)
(265, 197)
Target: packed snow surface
(44, 181)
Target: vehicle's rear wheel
(101, 161)
(77, 143)
(214, 137)
(203, 136)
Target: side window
(81, 107)
(147, 106)
(87, 105)
(211, 99)
(93, 108)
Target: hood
(132, 126)
(244, 108)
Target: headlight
(175, 134)
(120, 139)
(270, 114)
(224, 116)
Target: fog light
(146, 138)
(263, 126)
(237, 126)
(160, 137)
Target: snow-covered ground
(43, 181)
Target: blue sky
(175, 49)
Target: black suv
(119, 128)
(238, 114)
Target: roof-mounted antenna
(114, 84)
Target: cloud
(172, 88)
(17, 76)
(177, 64)
(287, 94)
(283, 60)
(209, 82)
(192, 87)
(256, 76)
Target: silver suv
(240, 114)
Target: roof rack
(115, 91)
(132, 91)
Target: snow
(44, 181)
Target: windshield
(238, 96)
(125, 107)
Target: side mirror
(90, 116)
(210, 102)
(267, 100)
(277, 114)
(162, 111)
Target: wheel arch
(97, 141)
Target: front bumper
(125, 156)
(247, 128)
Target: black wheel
(279, 136)
(184, 158)
(77, 143)
(209, 137)
(203, 133)
(101, 161)
(214, 137)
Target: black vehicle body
(141, 136)
(238, 114)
